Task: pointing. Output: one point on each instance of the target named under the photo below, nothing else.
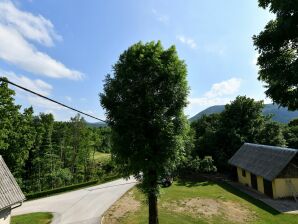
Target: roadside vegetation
(32, 218)
(144, 100)
(196, 201)
(102, 156)
(44, 154)
(220, 135)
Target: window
(243, 173)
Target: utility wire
(47, 98)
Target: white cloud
(223, 88)
(36, 85)
(15, 49)
(36, 101)
(39, 104)
(161, 18)
(188, 41)
(32, 27)
(219, 94)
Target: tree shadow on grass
(248, 198)
(193, 181)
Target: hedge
(70, 187)
(59, 190)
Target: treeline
(221, 135)
(45, 154)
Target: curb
(101, 220)
(103, 216)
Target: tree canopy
(44, 154)
(144, 101)
(277, 46)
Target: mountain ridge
(280, 114)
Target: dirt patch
(126, 204)
(206, 208)
(194, 206)
(237, 213)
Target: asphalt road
(84, 206)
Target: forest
(45, 154)
(220, 135)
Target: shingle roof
(263, 160)
(10, 192)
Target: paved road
(84, 206)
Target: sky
(64, 49)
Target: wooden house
(11, 195)
(268, 169)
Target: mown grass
(258, 212)
(32, 218)
(101, 157)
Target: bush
(207, 165)
(59, 190)
(46, 193)
(197, 165)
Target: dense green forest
(45, 154)
(220, 135)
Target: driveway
(84, 206)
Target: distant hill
(96, 124)
(208, 111)
(281, 114)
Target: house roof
(263, 160)
(10, 192)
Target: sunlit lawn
(33, 218)
(101, 156)
(205, 202)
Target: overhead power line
(47, 98)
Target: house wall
(260, 184)
(246, 180)
(282, 188)
(5, 216)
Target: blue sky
(64, 49)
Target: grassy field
(101, 156)
(197, 202)
(32, 218)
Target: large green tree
(272, 134)
(277, 45)
(206, 132)
(241, 121)
(16, 132)
(9, 113)
(144, 101)
(291, 134)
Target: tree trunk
(153, 210)
(152, 198)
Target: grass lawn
(32, 218)
(196, 202)
(101, 156)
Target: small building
(268, 169)
(11, 195)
